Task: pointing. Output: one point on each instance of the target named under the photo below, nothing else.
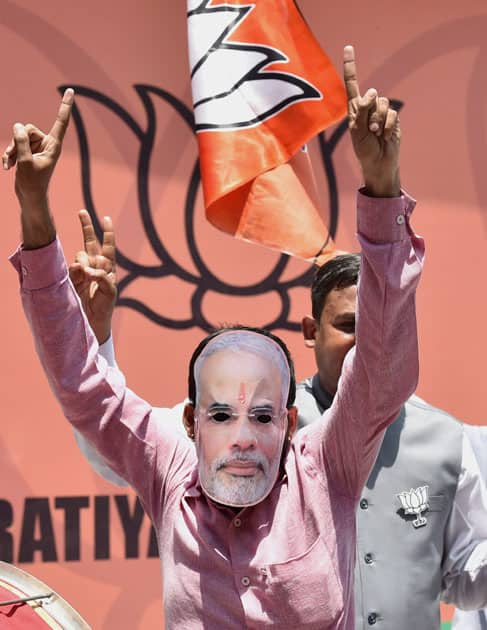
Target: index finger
(350, 73)
(61, 123)
(92, 247)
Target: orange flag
(262, 88)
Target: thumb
(22, 143)
(78, 277)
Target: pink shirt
(287, 562)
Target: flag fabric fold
(262, 88)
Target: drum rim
(56, 606)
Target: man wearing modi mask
(240, 419)
(255, 525)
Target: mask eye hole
(220, 416)
(263, 417)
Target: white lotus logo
(231, 87)
(415, 502)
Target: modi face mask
(242, 384)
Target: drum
(26, 603)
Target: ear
(188, 420)
(309, 330)
(292, 422)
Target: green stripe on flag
(446, 625)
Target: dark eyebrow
(264, 407)
(218, 405)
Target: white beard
(236, 491)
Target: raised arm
(381, 372)
(93, 396)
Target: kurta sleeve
(381, 371)
(122, 427)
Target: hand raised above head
(93, 276)
(36, 153)
(375, 132)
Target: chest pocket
(306, 589)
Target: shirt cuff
(40, 268)
(107, 351)
(384, 219)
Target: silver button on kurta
(400, 219)
(237, 522)
(245, 581)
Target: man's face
(333, 336)
(239, 456)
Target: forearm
(382, 184)
(38, 228)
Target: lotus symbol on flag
(414, 502)
(230, 83)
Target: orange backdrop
(138, 156)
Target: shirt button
(400, 219)
(24, 271)
(245, 581)
(364, 504)
(369, 558)
(372, 619)
(237, 522)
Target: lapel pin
(414, 502)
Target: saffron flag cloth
(262, 88)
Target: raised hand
(36, 154)
(93, 276)
(375, 131)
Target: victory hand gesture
(93, 276)
(375, 131)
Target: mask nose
(244, 437)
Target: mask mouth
(241, 468)
(250, 478)
(241, 461)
